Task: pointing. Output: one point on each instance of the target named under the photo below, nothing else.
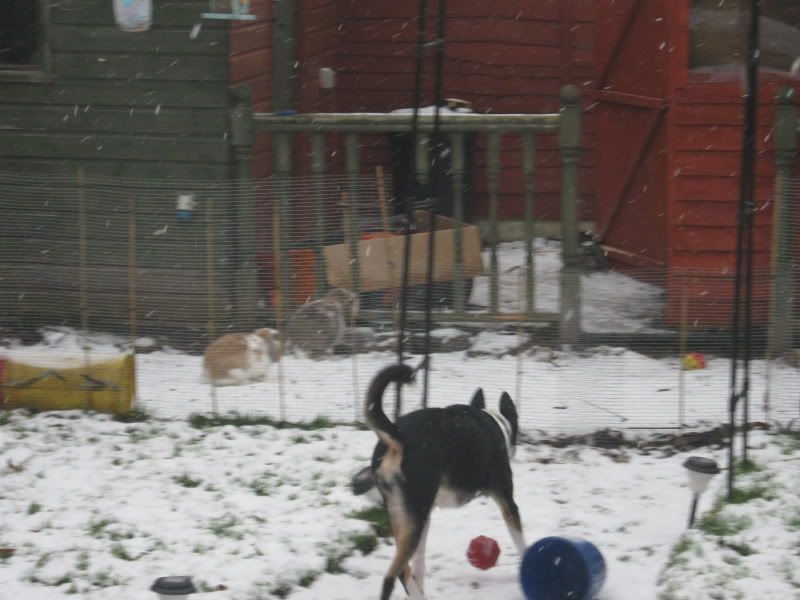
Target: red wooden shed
(663, 112)
(669, 113)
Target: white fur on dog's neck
(505, 427)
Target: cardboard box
(381, 256)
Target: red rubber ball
(483, 552)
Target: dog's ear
(477, 400)
(507, 407)
(509, 411)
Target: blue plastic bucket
(562, 568)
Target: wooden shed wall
(149, 105)
(511, 56)
(251, 65)
(670, 161)
(706, 125)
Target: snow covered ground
(97, 508)
(100, 509)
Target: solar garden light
(700, 471)
(173, 587)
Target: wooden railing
(565, 123)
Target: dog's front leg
(510, 512)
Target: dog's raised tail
(373, 408)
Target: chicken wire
(162, 268)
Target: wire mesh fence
(92, 268)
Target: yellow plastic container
(104, 384)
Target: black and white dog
(436, 456)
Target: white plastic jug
(133, 15)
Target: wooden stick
(278, 300)
(348, 235)
(132, 281)
(83, 276)
(210, 285)
(382, 198)
(682, 372)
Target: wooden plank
(250, 64)
(100, 12)
(714, 137)
(253, 37)
(717, 189)
(110, 279)
(112, 147)
(207, 41)
(459, 30)
(59, 306)
(145, 170)
(706, 238)
(131, 120)
(510, 9)
(135, 66)
(160, 243)
(143, 93)
(716, 164)
(719, 263)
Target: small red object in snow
(483, 552)
(694, 360)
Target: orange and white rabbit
(237, 358)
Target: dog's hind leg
(407, 534)
(418, 560)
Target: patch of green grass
(96, 527)
(34, 507)
(741, 548)
(224, 527)
(307, 578)
(281, 589)
(364, 542)
(679, 551)
(200, 549)
(260, 487)
(334, 559)
(5, 417)
(235, 419)
(187, 480)
(378, 517)
(747, 466)
(743, 495)
(789, 440)
(104, 579)
(136, 415)
(715, 523)
(119, 551)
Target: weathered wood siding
(670, 142)
(511, 56)
(150, 105)
(706, 131)
(251, 66)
